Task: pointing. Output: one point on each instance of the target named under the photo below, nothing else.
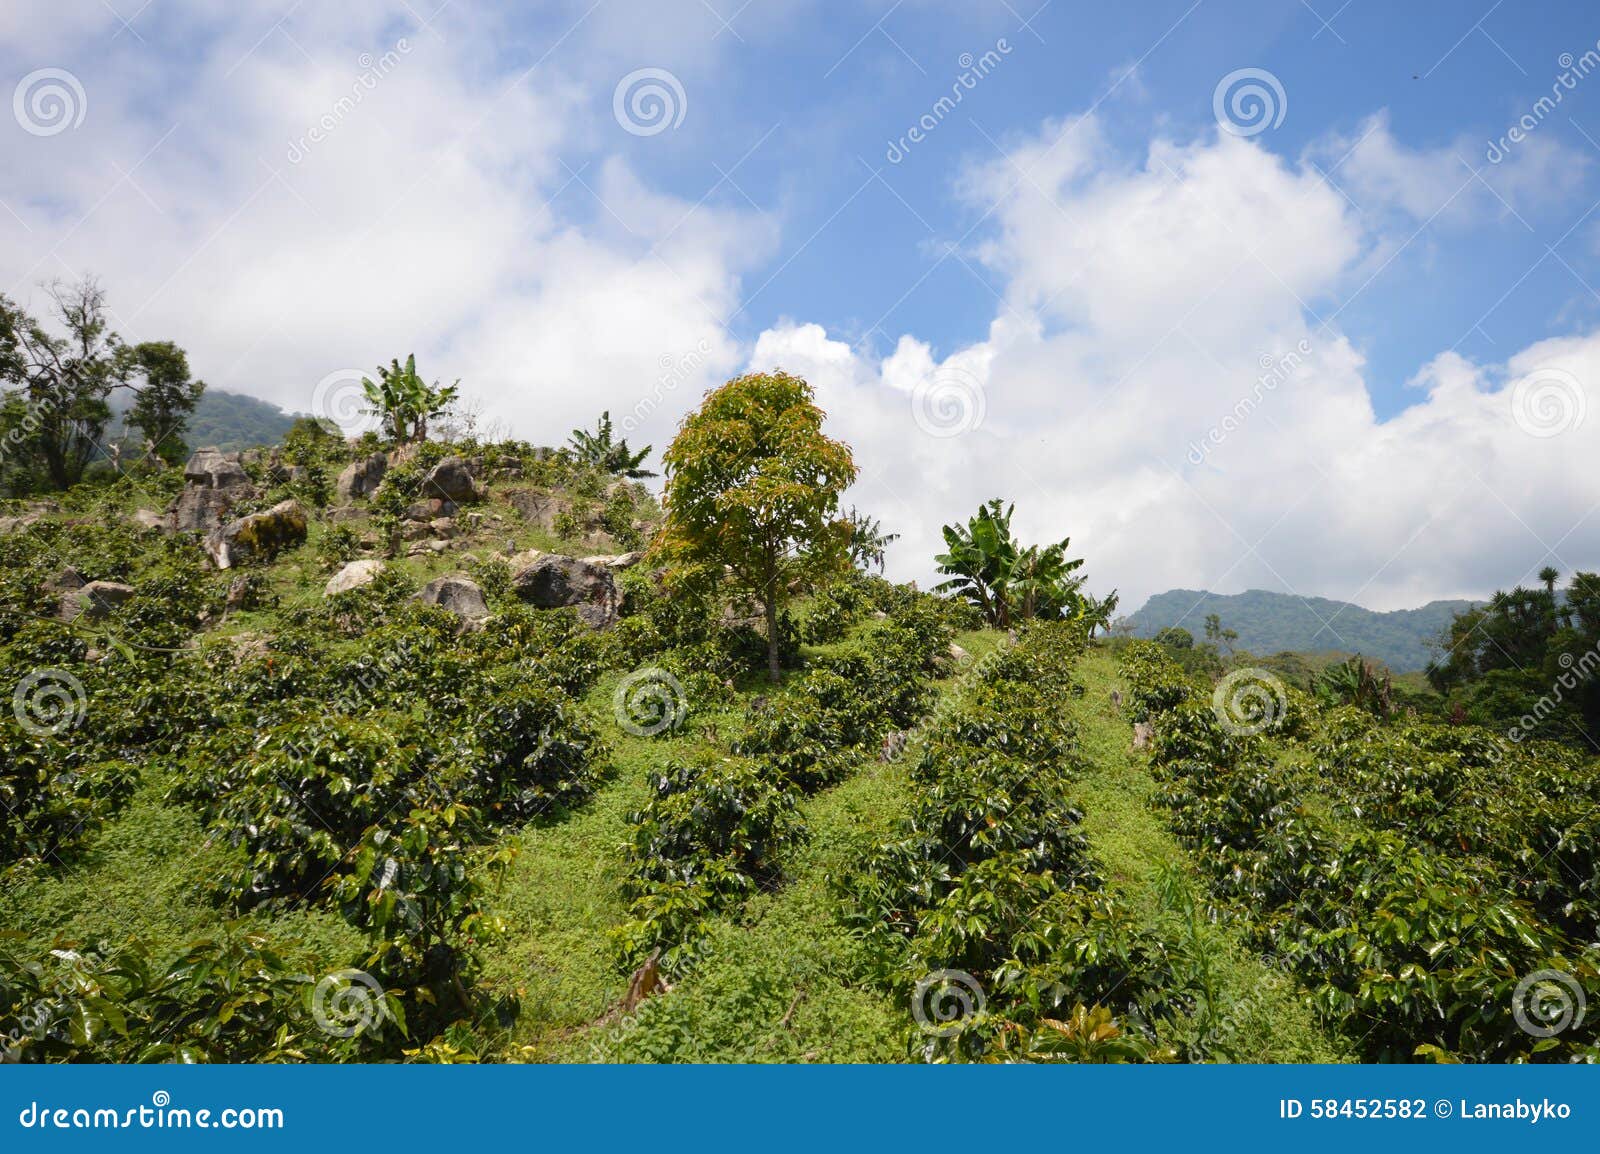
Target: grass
(1269, 1020)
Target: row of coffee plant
(717, 828)
(987, 910)
(1420, 930)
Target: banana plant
(404, 402)
(1006, 582)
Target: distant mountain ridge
(1270, 622)
(223, 420)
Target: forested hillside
(1277, 622)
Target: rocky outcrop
(457, 593)
(149, 519)
(213, 482)
(352, 576)
(538, 506)
(260, 536)
(94, 600)
(361, 479)
(614, 561)
(213, 469)
(450, 480)
(552, 581)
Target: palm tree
(1548, 575)
(599, 451)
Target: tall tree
(753, 485)
(63, 379)
(166, 396)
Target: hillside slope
(1273, 622)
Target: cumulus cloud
(1158, 386)
(327, 190)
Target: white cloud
(1145, 305)
(478, 216)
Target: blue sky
(838, 100)
(1340, 351)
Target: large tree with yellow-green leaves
(752, 492)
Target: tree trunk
(771, 600)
